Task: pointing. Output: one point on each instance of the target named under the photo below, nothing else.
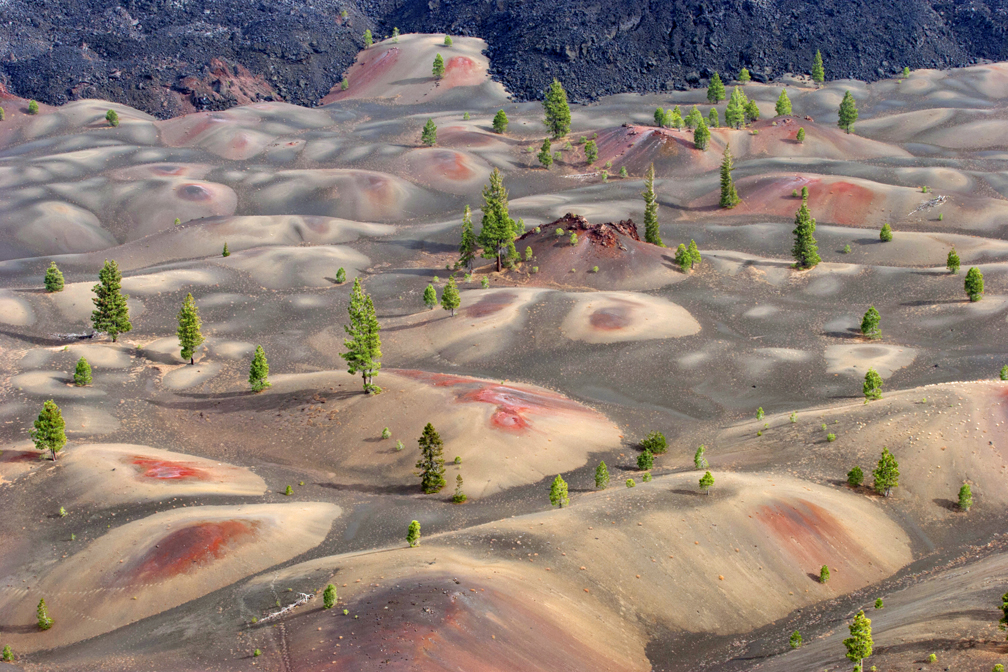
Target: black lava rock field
(172, 56)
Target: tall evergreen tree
(189, 324)
(870, 323)
(859, 644)
(699, 458)
(413, 534)
(715, 90)
(556, 110)
(751, 112)
(53, 278)
(500, 122)
(735, 113)
(82, 373)
(713, 120)
(42, 613)
(872, 387)
(111, 314)
(800, 135)
(468, 244)
(363, 347)
(259, 370)
(428, 135)
(683, 259)
(601, 476)
(744, 76)
(558, 492)
(693, 119)
(818, 73)
(659, 117)
(707, 481)
(965, 497)
(701, 136)
(431, 462)
(49, 432)
(974, 284)
(498, 230)
(430, 296)
(546, 154)
(591, 152)
(368, 40)
(450, 298)
(805, 250)
(652, 234)
(848, 112)
(694, 253)
(783, 106)
(952, 261)
(438, 68)
(729, 197)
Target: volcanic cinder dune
(190, 522)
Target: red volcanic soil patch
(460, 136)
(193, 192)
(187, 549)
(636, 147)
(167, 470)
(369, 68)
(488, 305)
(462, 71)
(833, 201)
(810, 533)
(15, 456)
(610, 318)
(451, 164)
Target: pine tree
(428, 135)
(53, 278)
(652, 233)
(368, 40)
(33, 107)
(259, 371)
(885, 233)
(974, 284)
(870, 323)
(431, 462)
(859, 644)
(751, 112)
(1004, 609)
(693, 119)
(800, 136)
(395, 35)
(8, 655)
(659, 117)
(706, 482)
(699, 459)
(818, 74)
(655, 442)
(363, 347)
(111, 314)
(467, 246)
(112, 118)
(805, 250)
(340, 276)
(546, 154)
(413, 534)
(500, 122)
(591, 152)
(82, 374)
(783, 106)
(795, 640)
(601, 476)
(823, 574)
(744, 76)
(49, 432)
(189, 324)
(713, 120)
(886, 474)
(498, 230)
(715, 90)
(645, 461)
(848, 112)
(556, 109)
(682, 258)
(459, 497)
(701, 136)
(694, 253)
(952, 262)
(225, 252)
(855, 477)
(872, 385)
(438, 68)
(450, 298)
(965, 497)
(447, 40)
(558, 492)
(44, 622)
(329, 597)
(430, 297)
(735, 113)
(729, 197)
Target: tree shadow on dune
(43, 341)
(249, 401)
(931, 302)
(850, 334)
(947, 504)
(412, 489)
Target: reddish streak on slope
(167, 470)
(21, 455)
(189, 548)
(610, 318)
(808, 533)
(489, 305)
(364, 74)
(846, 203)
(452, 165)
(462, 71)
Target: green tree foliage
(1004, 372)
(965, 497)
(189, 323)
(438, 68)
(498, 230)
(713, 120)
(53, 278)
(760, 414)
(573, 238)
(848, 112)
(450, 298)
(111, 314)
(655, 442)
(906, 71)
(345, 83)
(694, 253)
(886, 474)
(363, 347)
(735, 113)
(112, 118)
(870, 323)
(795, 640)
(823, 574)
(859, 644)
(706, 482)
(430, 466)
(82, 374)
(998, 667)
(751, 112)
(601, 476)
(430, 297)
(546, 154)
(715, 90)
(693, 119)
(674, 118)
(783, 106)
(805, 250)
(368, 40)
(872, 385)
(591, 152)
(952, 262)
(701, 136)
(818, 73)
(467, 245)
(32, 107)
(395, 35)
(885, 233)
(48, 431)
(225, 252)
(855, 477)
(259, 370)
(699, 459)
(744, 76)
(652, 233)
(558, 492)
(556, 110)
(340, 276)
(623, 171)
(729, 196)
(500, 122)
(645, 460)
(448, 41)
(428, 135)
(1004, 608)
(459, 497)
(44, 622)
(800, 136)
(974, 284)
(329, 597)
(878, 603)
(2, 114)
(413, 534)
(659, 117)
(8, 655)
(682, 258)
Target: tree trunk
(192, 360)
(498, 260)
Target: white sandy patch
(614, 317)
(855, 360)
(53, 384)
(230, 349)
(170, 281)
(287, 267)
(190, 375)
(75, 302)
(15, 311)
(761, 312)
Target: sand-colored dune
(615, 317)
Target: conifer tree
(886, 473)
(363, 347)
(823, 574)
(498, 230)
(395, 35)
(655, 442)
(53, 278)
(805, 250)
(713, 120)
(1004, 609)
(659, 117)
(974, 284)
(8, 655)
(783, 106)
(428, 135)
(459, 497)
(859, 644)
(48, 431)
(872, 385)
(706, 482)
(82, 373)
(848, 112)
(682, 258)
(694, 253)
(952, 262)
(431, 462)
(450, 298)
(645, 461)
(870, 323)
(744, 76)
(368, 40)
(885, 233)
(556, 110)
(751, 112)
(329, 597)
(413, 534)
(800, 136)
(438, 68)
(33, 107)
(965, 497)
(430, 296)
(558, 492)
(500, 122)
(340, 276)
(795, 640)
(652, 233)
(729, 197)
(715, 90)
(189, 324)
(699, 459)
(111, 314)
(42, 613)
(259, 370)
(112, 118)
(225, 252)
(447, 40)
(591, 152)
(693, 119)
(818, 74)
(701, 136)
(468, 245)
(546, 154)
(735, 113)
(601, 476)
